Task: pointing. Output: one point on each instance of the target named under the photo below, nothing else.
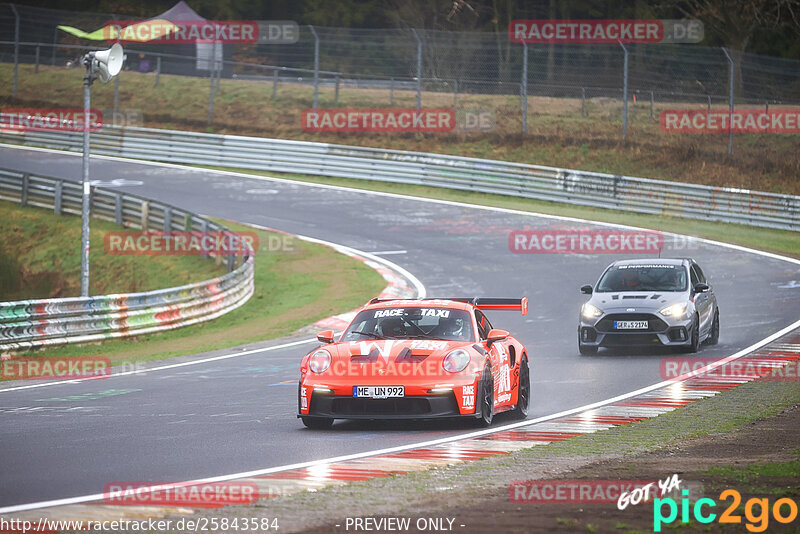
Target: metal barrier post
(524, 88)
(116, 100)
(391, 91)
(455, 93)
(57, 197)
(730, 112)
(419, 68)
(118, 209)
(625, 94)
(316, 65)
(336, 93)
(274, 84)
(23, 198)
(652, 101)
(37, 59)
(158, 70)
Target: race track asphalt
(238, 414)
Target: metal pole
(336, 93)
(87, 190)
(211, 84)
(524, 88)
(652, 101)
(274, 84)
(455, 93)
(730, 112)
(583, 101)
(419, 68)
(16, 47)
(316, 66)
(709, 102)
(625, 94)
(116, 99)
(158, 69)
(55, 38)
(391, 91)
(37, 59)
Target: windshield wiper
(376, 336)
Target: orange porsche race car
(417, 359)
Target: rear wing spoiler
(482, 303)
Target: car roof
(654, 261)
(417, 303)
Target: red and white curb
(778, 351)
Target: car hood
(393, 351)
(637, 301)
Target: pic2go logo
(783, 510)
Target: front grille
(619, 340)
(404, 406)
(654, 324)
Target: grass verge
(40, 257)
(291, 291)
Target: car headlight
(676, 310)
(456, 361)
(319, 361)
(590, 312)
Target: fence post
(625, 94)
(158, 70)
(524, 88)
(709, 102)
(316, 65)
(455, 93)
(55, 38)
(204, 230)
(211, 64)
(419, 68)
(391, 91)
(274, 84)
(57, 197)
(336, 92)
(16, 47)
(583, 101)
(37, 59)
(167, 219)
(730, 112)
(652, 101)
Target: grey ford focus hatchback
(646, 302)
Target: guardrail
(29, 323)
(640, 195)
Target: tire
(524, 394)
(695, 344)
(317, 423)
(486, 397)
(713, 337)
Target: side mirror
(496, 335)
(586, 290)
(326, 336)
(701, 287)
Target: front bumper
(661, 331)
(409, 407)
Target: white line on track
(246, 474)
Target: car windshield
(639, 277)
(411, 323)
